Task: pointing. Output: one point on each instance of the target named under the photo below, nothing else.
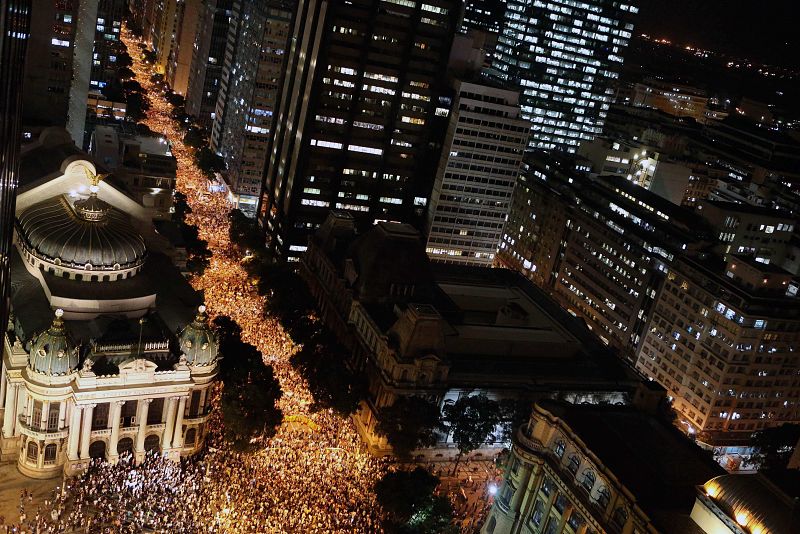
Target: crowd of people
(312, 476)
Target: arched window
(574, 464)
(620, 517)
(124, 445)
(151, 443)
(588, 480)
(560, 447)
(575, 521)
(191, 436)
(538, 513)
(50, 453)
(33, 451)
(603, 497)
(97, 449)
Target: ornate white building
(101, 355)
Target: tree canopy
(772, 447)
(410, 423)
(411, 505)
(250, 391)
(471, 420)
(321, 362)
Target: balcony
(41, 433)
(530, 444)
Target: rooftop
(660, 466)
(176, 301)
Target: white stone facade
(55, 424)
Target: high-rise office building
(58, 65)
(207, 61)
(484, 15)
(106, 42)
(251, 79)
(477, 171)
(14, 27)
(179, 62)
(361, 115)
(721, 340)
(564, 56)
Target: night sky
(760, 29)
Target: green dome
(198, 342)
(52, 352)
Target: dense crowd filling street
(306, 478)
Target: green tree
(410, 504)
(132, 87)
(321, 363)
(208, 161)
(176, 100)
(149, 56)
(195, 138)
(250, 391)
(124, 60)
(125, 73)
(772, 447)
(513, 413)
(137, 106)
(471, 420)
(180, 207)
(244, 232)
(410, 423)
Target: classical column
(116, 410)
(2, 382)
(74, 432)
(201, 408)
(177, 441)
(141, 418)
(166, 438)
(22, 398)
(45, 416)
(29, 402)
(62, 414)
(10, 415)
(86, 429)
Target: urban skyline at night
(400, 266)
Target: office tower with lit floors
(207, 61)
(480, 162)
(361, 117)
(14, 27)
(483, 15)
(564, 56)
(251, 78)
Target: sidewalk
(12, 482)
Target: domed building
(106, 353)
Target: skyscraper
(207, 61)
(361, 115)
(251, 78)
(477, 171)
(14, 27)
(71, 51)
(106, 42)
(484, 15)
(564, 55)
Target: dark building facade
(204, 82)
(565, 58)
(484, 15)
(14, 27)
(361, 116)
(600, 246)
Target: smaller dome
(92, 208)
(52, 352)
(198, 342)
